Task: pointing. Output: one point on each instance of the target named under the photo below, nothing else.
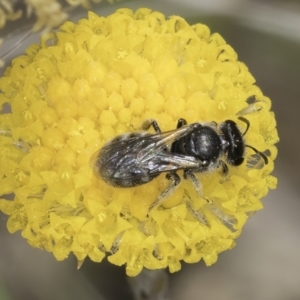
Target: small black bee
(136, 158)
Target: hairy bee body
(134, 159)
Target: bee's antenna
(263, 156)
(246, 122)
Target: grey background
(265, 264)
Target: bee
(137, 158)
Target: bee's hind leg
(168, 192)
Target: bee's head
(233, 143)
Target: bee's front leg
(148, 123)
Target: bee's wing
(144, 153)
(118, 148)
(162, 141)
(167, 162)
(144, 144)
(161, 161)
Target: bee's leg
(224, 168)
(168, 192)
(228, 220)
(181, 122)
(146, 125)
(246, 122)
(188, 174)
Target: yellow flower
(102, 77)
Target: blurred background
(265, 264)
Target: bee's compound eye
(238, 161)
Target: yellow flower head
(88, 83)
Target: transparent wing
(142, 154)
(150, 142)
(163, 141)
(165, 161)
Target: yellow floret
(102, 77)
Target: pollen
(105, 76)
